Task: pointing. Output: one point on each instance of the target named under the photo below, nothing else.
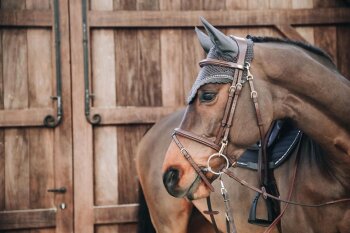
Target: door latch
(58, 190)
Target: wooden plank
(263, 31)
(124, 5)
(277, 4)
(40, 71)
(266, 17)
(192, 54)
(343, 55)
(82, 136)
(290, 33)
(258, 4)
(40, 85)
(137, 60)
(327, 3)
(10, 4)
(306, 32)
(149, 84)
(16, 140)
(24, 117)
(26, 18)
(325, 38)
(63, 144)
(147, 92)
(240, 32)
(16, 169)
(104, 88)
(171, 67)
(305, 4)
(126, 213)
(236, 5)
(127, 66)
(105, 138)
(41, 164)
(15, 69)
(128, 137)
(2, 142)
(191, 5)
(171, 60)
(170, 5)
(132, 115)
(22, 219)
(214, 5)
(147, 5)
(38, 4)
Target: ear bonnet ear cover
(210, 73)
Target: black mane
(306, 46)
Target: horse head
(207, 106)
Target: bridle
(241, 76)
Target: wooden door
(33, 157)
(141, 60)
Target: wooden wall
(143, 59)
(33, 158)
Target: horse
(224, 117)
(173, 215)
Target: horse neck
(313, 95)
(318, 175)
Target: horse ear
(204, 40)
(224, 43)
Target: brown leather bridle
(241, 76)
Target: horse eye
(207, 97)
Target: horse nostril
(171, 177)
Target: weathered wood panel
(25, 18)
(2, 143)
(343, 55)
(105, 138)
(17, 192)
(116, 214)
(82, 136)
(325, 37)
(240, 18)
(40, 86)
(32, 158)
(24, 219)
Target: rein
(241, 76)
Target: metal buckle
(217, 155)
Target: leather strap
(193, 164)
(211, 213)
(215, 62)
(264, 193)
(290, 192)
(230, 223)
(197, 138)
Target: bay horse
(287, 80)
(180, 215)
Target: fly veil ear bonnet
(220, 47)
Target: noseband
(241, 76)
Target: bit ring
(217, 155)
